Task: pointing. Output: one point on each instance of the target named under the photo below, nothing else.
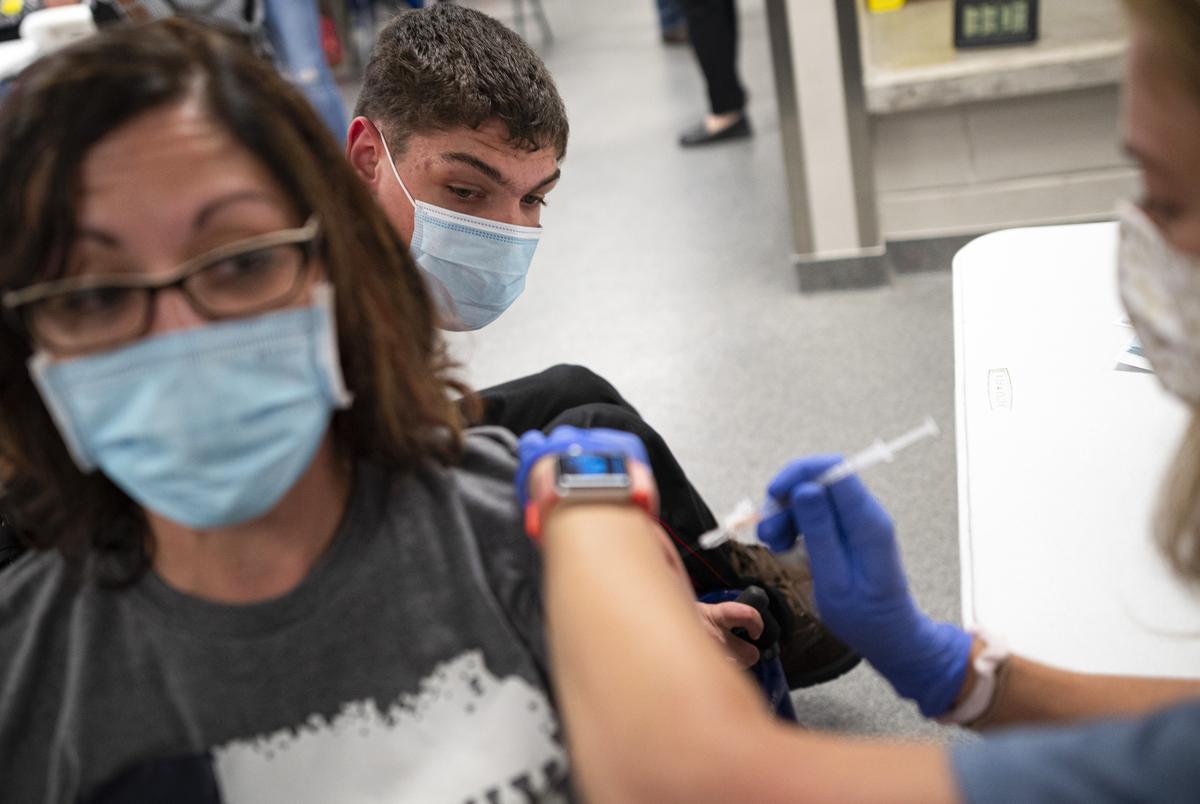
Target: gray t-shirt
(1156, 758)
(408, 666)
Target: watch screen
(592, 463)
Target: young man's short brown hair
(445, 67)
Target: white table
(15, 56)
(1060, 458)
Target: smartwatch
(585, 476)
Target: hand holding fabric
(720, 620)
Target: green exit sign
(994, 22)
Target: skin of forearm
(628, 701)
(1032, 692)
(663, 715)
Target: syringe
(741, 523)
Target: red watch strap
(641, 498)
(534, 512)
(533, 521)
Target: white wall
(1036, 159)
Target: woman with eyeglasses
(274, 566)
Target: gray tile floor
(667, 272)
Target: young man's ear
(365, 151)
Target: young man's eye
(534, 201)
(465, 193)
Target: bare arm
(654, 712)
(1031, 692)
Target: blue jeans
(295, 32)
(670, 14)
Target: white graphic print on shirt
(468, 736)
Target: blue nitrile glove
(859, 585)
(534, 445)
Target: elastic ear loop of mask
(392, 164)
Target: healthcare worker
(653, 728)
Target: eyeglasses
(91, 313)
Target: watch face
(592, 463)
(592, 471)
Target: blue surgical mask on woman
(209, 426)
(477, 266)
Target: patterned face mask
(1160, 287)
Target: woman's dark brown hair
(392, 355)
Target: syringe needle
(879, 452)
(739, 526)
(926, 429)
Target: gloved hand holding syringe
(740, 524)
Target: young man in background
(460, 133)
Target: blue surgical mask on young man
(210, 426)
(477, 265)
